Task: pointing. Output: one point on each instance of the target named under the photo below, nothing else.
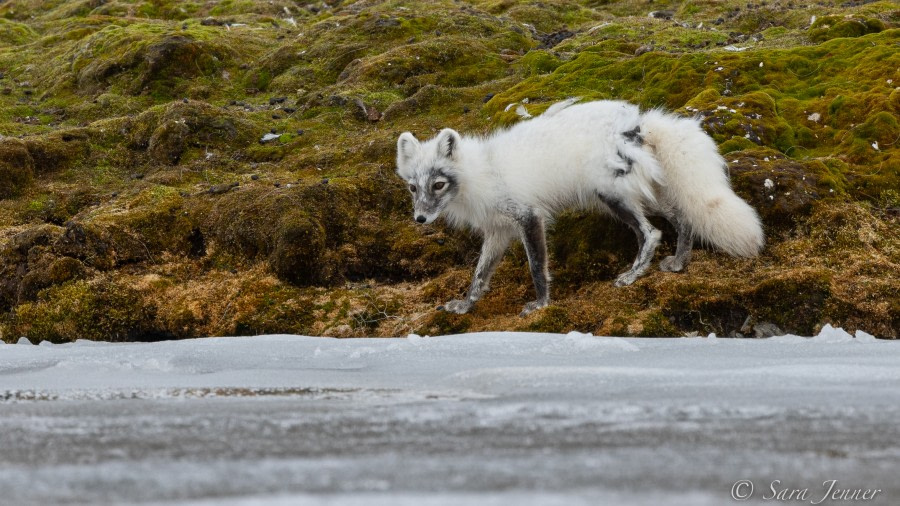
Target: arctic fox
(605, 155)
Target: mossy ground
(138, 200)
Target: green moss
(441, 323)
(551, 319)
(83, 310)
(47, 271)
(794, 302)
(831, 27)
(95, 92)
(172, 131)
(275, 310)
(16, 168)
(15, 34)
(157, 218)
(736, 143)
(57, 151)
(539, 62)
(656, 324)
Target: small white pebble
(814, 117)
(875, 146)
(771, 197)
(766, 159)
(760, 64)
(769, 184)
(719, 69)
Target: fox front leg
(535, 241)
(492, 251)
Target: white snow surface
(487, 418)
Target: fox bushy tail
(698, 187)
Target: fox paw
(533, 306)
(671, 264)
(457, 306)
(626, 278)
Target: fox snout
(424, 218)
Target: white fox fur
(603, 155)
(697, 185)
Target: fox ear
(407, 149)
(448, 143)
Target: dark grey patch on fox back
(634, 135)
(628, 161)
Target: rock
(766, 329)
(661, 14)
(550, 40)
(222, 188)
(337, 101)
(214, 22)
(366, 112)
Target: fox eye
(412, 188)
(439, 185)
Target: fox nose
(420, 218)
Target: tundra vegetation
(174, 169)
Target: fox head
(430, 171)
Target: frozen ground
(494, 418)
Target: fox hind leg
(648, 238)
(535, 241)
(682, 257)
